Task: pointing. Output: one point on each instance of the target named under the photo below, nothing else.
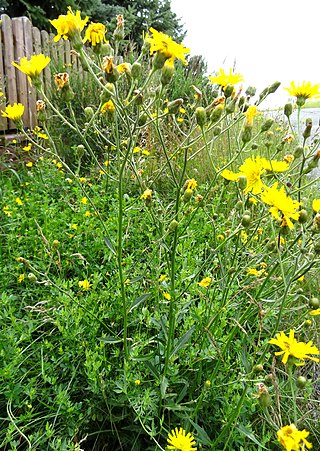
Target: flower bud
(263, 94)
(314, 303)
(307, 130)
(201, 116)
(173, 107)
(80, 150)
(106, 49)
(142, 119)
(264, 396)
(288, 109)
(301, 382)
(272, 88)
(228, 91)
(88, 111)
(246, 220)
(251, 91)
(187, 195)
(298, 151)
(167, 74)
(242, 181)
(217, 130)
(32, 277)
(246, 134)
(316, 247)
(267, 125)
(173, 225)
(230, 106)
(118, 33)
(158, 61)
(303, 217)
(216, 113)
(258, 368)
(254, 146)
(136, 70)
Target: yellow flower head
(229, 175)
(41, 105)
(303, 91)
(253, 168)
(251, 112)
(275, 166)
(281, 203)
(316, 205)
(166, 46)
(291, 347)
(33, 67)
(124, 68)
(95, 33)
(147, 194)
(292, 439)
(68, 25)
(108, 107)
(190, 184)
(61, 80)
(224, 79)
(13, 112)
(179, 439)
(315, 312)
(205, 282)
(85, 284)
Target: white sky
(269, 39)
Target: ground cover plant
(160, 260)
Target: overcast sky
(270, 40)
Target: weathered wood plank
(8, 57)
(46, 51)
(3, 120)
(28, 39)
(21, 78)
(67, 56)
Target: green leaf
(139, 300)
(183, 341)
(109, 245)
(110, 339)
(203, 437)
(245, 431)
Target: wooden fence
(19, 38)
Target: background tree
(139, 15)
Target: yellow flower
(179, 439)
(275, 166)
(316, 205)
(1, 93)
(255, 272)
(166, 46)
(229, 175)
(6, 210)
(190, 184)
(108, 107)
(220, 237)
(280, 202)
(167, 296)
(251, 112)
(13, 112)
(124, 68)
(27, 148)
(87, 214)
(137, 382)
(315, 312)
(253, 168)
(33, 67)
(84, 200)
(85, 284)
(21, 278)
(74, 226)
(292, 439)
(69, 25)
(146, 195)
(163, 277)
(224, 79)
(303, 91)
(95, 33)
(291, 347)
(19, 201)
(205, 282)
(288, 158)
(29, 165)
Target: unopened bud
(80, 150)
(88, 111)
(251, 91)
(242, 181)
(301, 382)
(201, 116)
(173, 225)
(288, 109)
(142, 119)
(32, 277)
(217, 130)
(298, 151)
(264, 396)
(136, 70)
(167, 74)
(158, 61)
(230, 106)
(303, 216)
(267, 125)
(173, 107)
(246, 134)
(272, 88)
(228, 91)
(307, 130)
(216, 113)
(187, 195)
(246, 220)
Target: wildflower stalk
(293, 391)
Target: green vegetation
(160, 264)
